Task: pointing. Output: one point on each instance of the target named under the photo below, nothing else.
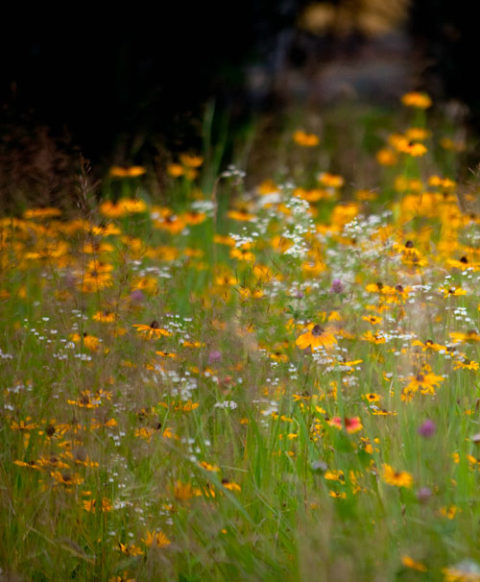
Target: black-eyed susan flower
(194, 217)
(97, 276)
(417, 100)
(130, 550)
(23, 425)
(409, 562)
(152, 331)
(429, 345)
(374, 338)
(466, 364)
(463, 263)
(156, 539)
(105, 316)
(331, 180)
(452, 291)
(183, 491)
(90, 342)
(130, 172)
(304, 139)
(316, 337)
(417, 133)
(241, 214)
(243, 253)
(425, 382)
(66, 478)
(171, 223)
(386, 157)
(373, 319)
(93, 506)
(372, 397)
(463, 337)
(230, 485)
(396, 478)
(191, 160)
(209, 467)
(175, 170)
(122, 208)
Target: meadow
(272, 379)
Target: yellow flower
(105, 316)
(448, 511)
(175, 170)
(316, 337)
(429, 345)
(240, 214)
(89, 341)
(409, 562)
(209, 467)
(396, 478)
(157, 539)
(373, 319)
(418, 100)
(97, 276)
(469, 336)
(372, 397)
(417, 133)
(191, 161)
(452, 291)
(91, 505)
(131, 172)
(172, 224)
(338, 495)
(305, 139)
(463, 264)
(426, 383)
(386, 157)
(151, 331)
(193, 218)
(415, 150)
(131, 550)
(334, 475)
(373, 338)
(23, 425)
(89, 400)
(183, 491)
(243, 253)
(332, 180)
(230, 485)
(67, 478)
(466, 364)
(41, 213)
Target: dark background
(120, 85)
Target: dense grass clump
(272, 382)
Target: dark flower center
(317, 330)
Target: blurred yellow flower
(418, 100)
(305, 139)
(396, 478)
(316, 337)
(130, 172)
